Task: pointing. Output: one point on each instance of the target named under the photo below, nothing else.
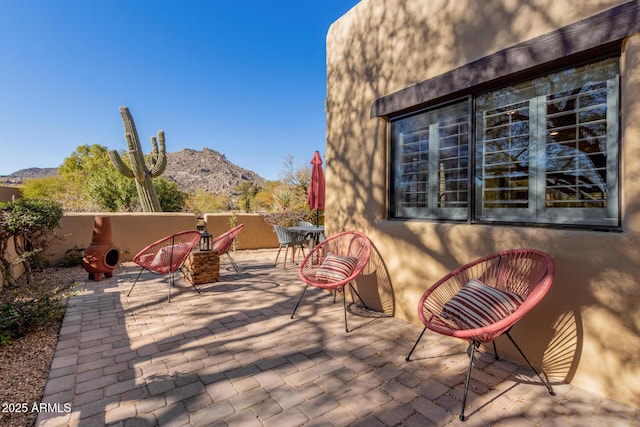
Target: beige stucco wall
(587, 330)
(130, 231)
(256, 233)
(133, 231)
(9, 193)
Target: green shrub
(30, 225)
(284, 218)
(19, 318)
(72, 257)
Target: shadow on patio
(231, 355)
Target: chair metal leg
(495, 350)
(135, 281)
(416, 344)
(303, 291)
(344, 303)
(185, 277)
(545, 382)
(474, 344)
(358, 295)
(233, 263)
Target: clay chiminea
(101, 257)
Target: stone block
(202, 267)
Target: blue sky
(246, 79)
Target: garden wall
(134, 231)
(9, 193)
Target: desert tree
(29, 224)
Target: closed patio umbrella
(315, 197)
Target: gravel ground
(24, 363)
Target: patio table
(313, 230)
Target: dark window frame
(435, 208)
(605, 218)
(598, 36)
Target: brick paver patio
(231, 355)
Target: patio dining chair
(288, 239)
(334, 264)
(166, 256)
(223, 243)
(484, 299)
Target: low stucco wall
(587, 329)
(133, 231)
(130, 231)
(8, 194)
(256, 233)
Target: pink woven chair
(223, 242)
(484, 299)
(334, 264)
(167, 255)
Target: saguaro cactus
(139, 171)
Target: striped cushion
(335, 268)
(477, 305)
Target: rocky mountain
(18, 177)
(192, 170)
(207, 170)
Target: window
(430, 178)
(546, 150)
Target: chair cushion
(164, 255)
(335, 268)
(477, 305)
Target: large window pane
(547, 150)
(576, 148)
(505, 162)
(430, 164)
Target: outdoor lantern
(205, 241)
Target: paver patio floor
(231, 355)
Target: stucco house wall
(587, 329)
